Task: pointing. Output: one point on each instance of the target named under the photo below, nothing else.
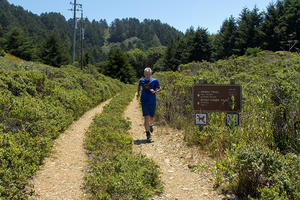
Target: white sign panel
(232, 118)
(201, 119)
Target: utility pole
(81, 37)
(74, 35)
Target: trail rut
(61, 175)
(175, 159)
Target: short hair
(148, 69)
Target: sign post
(217, 98)
(201, 118)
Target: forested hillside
(32, 37)
(126, 34)
(276, 29)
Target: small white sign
(232, 118)
(201, 119)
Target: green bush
(37, 103)
(2, 53)
(256, 171)
(285, 116)
(114, 171)
(261, 77)
(252, 51)
(270, 113)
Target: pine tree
(171, 60)
(2, 41)
(20, 46)
(138, 60)
(270, 28)
(290, 21)
(201, 49)
(117, 66)
(225, 39)
(248, 29)
(53, 52)
(1, 31)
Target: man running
(148, 99)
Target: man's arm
(158, 90)
(138, 91)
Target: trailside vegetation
(114, 171)
(259, 158)
(37, 103)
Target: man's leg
(146, 115)
(147, 123)
(151, 121)
(152, 113)
(147, 127)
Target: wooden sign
(217, 98)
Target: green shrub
(285, 116)
(37, 103)
(257, 171)
(258, 76)
(2, 53)
(252, 51)
(114, 171)
(270, 114)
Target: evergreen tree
(86, 58)
(194, 46)
(1, 31)
(248, 29)
(200, 46)
(2, 41)
(138, 60)
(53, 52)
(225, 40)
(117, 66)
(270, 27)
(289, 21)
(172, 58)
(154, 54)
(18, 45)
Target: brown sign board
(217, 98)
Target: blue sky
(181, 14)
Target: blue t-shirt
(148, 97)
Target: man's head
(147, 73)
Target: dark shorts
(148, 109)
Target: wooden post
(201, 81)
(232, 81)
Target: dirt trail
(175, 159)
(61, 175)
